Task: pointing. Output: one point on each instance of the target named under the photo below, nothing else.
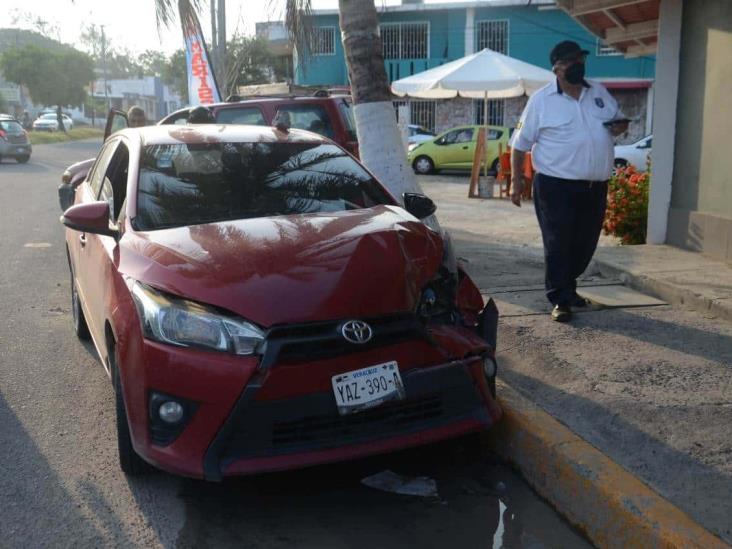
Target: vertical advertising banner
(202, 87)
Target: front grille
(328, 428)
(319, 340)
(436, 396)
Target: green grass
(41, 138)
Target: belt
(585, 183)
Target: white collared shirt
(566, 136)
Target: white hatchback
(636, 154)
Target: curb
(612, 507)
(671, 293)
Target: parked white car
(635, 154)
(48, 122)
(418, 134)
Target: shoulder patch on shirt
(518, 126)
(599, 102)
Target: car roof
(172, 134)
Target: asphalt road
(60, 485)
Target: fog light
(489, 367)
(170, 412)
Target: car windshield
(11, 127)
(49, 116)
(191, 184)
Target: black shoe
(561, 313)
(579, 301)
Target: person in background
(60, 119)
(136, 117)
(568, 125)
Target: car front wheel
(129, 461)
(423, 165)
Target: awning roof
(630, 26)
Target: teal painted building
(420, 36)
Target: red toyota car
(261, 302)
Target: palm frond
(299, 23)
(165, 11)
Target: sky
(133, 27)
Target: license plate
(368, 387)
(22, 149)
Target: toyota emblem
(356, 331)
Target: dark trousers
(570, 215)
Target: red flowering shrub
(627, 205)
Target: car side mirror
(92, 217)
(419, 205)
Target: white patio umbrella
(483, 75)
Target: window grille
(324, 41)
(603, 50)
(421, 113)
(493, 35)
(496, 111)
(405, 40)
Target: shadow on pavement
(37, 510)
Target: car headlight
(184, 323)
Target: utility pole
(104, 67)
(214, 35)
(222, 80)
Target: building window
(496, 111)
(405, 40)
(493, 35)
(603, 50)
(421, 113)
(324, 41)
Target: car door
(100, 264)
(86, 268)
(494, 137)
(456, 148)
(116, 120)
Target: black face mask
(575, 73)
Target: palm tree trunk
(380, 143)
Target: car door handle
(82, 239)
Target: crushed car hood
(300, 268)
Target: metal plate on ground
(618, 296)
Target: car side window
(96, 177)
(312, 118)
(449, 138)
(241, 115)
(464, 136)
(114, 185)
(494, 134)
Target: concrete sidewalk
(650, 387)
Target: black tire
(129, 461)
(77, 313)
(620, 163)
(22, 159)
(494, 167)
(423, 165)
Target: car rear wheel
(423, 165)
(22, 159)
(129, 461)
(80, 326)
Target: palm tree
(380, 142)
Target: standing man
(569, 126)
(136, 117)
